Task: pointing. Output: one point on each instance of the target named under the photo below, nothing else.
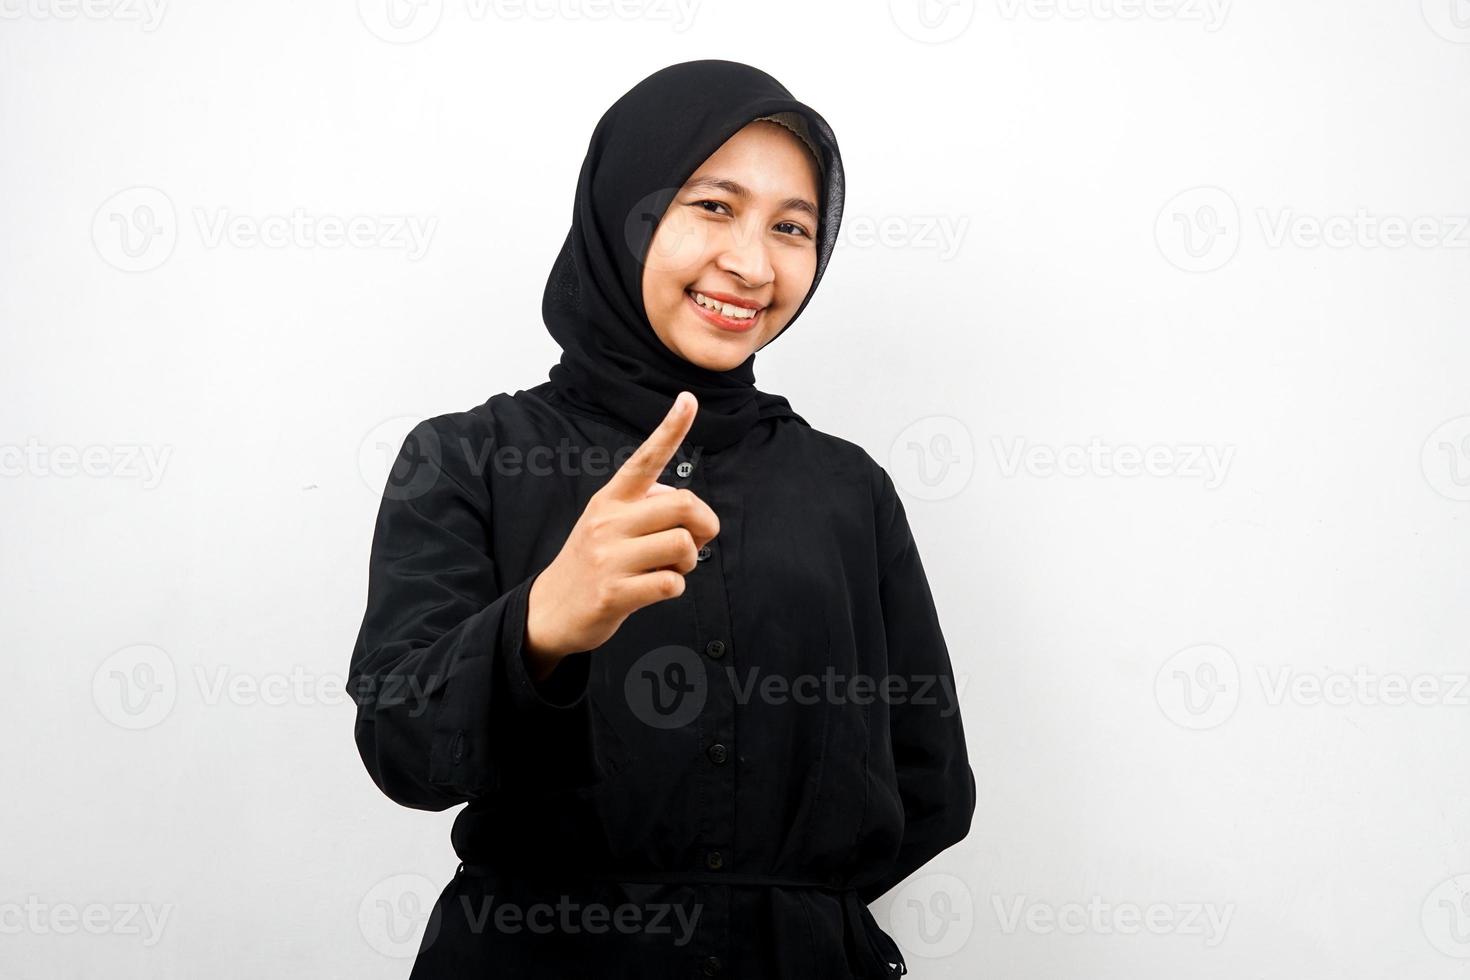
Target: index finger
(641, 471)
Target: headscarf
(642, 151)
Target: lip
(727, 323)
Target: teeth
(726, 309)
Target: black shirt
(725, 784)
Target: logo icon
(932, 21)
(666, 688)
(394, 912)
(1445, 917)
(1198, 687)
(397, 465)
(1199, 229)
(933, 459)
(1445, 458)
(400, 21)
(136, 687)
(933, 915)
(136, 229)
(1450, 19)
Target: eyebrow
(739, 190)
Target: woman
(678, 654)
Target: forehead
(766, 157)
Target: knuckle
(599, 556)
(603, 602)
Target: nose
(746, 258)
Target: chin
(718, 360)
(697, 344)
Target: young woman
(677, 652)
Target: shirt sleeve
(446, 709)
(935, 780)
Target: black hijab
(643, 149)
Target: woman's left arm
(935, 780)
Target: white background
(1225, 699)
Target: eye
(797, 231)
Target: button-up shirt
(722, 787)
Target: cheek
(677, 249)
(795, 275)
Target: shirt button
(704, 553)
(714, 860)
(718, 754)
(715, 648)
(712, 966)
(684, 468)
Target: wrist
(539, 647)
(539, 666)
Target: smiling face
(741, 231)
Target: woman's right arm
(464, 683)
(438, 671)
